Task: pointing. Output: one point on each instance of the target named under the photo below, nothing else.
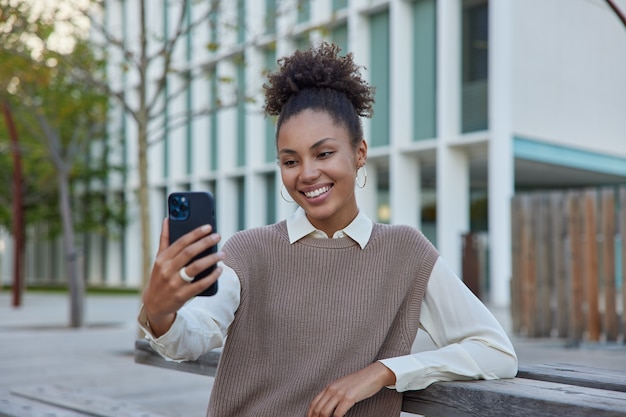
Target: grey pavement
(38, 349)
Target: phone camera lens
(178, 207)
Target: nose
(310, 171)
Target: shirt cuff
(159, 344)
(398, 366)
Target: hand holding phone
(186, 211)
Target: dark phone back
(187, 211)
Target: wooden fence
(569, 264)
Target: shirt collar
(359, 230)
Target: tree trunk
(18, 211)
(144, 205)
(74, 273)
(75, 277)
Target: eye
(288, 163)
(324, 155)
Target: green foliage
(60, 119)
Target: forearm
(189, 336)
(469, 341)
(158, 326)
(199, 326)
(471, 359)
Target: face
(318, 166)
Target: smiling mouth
(318, 192)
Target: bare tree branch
(166, 52)
(182, 119)
(109, 38)
(617, 11)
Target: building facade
(475, 101)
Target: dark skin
(339, 396)
(167, 292)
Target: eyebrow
(314, 146)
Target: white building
(475, 100)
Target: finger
(202, 284)
(184, 256)
(187, 239)
(164, 241)
(322, 405)
(342, 408)
(196, 267)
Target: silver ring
(184, 276)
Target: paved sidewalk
(37, 348)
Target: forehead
(308, 127)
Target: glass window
(429, 212)
(241, 21)
(270, 16)
(241, 112)
(270, 138)
(304, 11)
(339, 36)
(379, 65)
(270, 121)
(213, 120)
(241, 203)
(340, 4)
(270, 202)
(303, 41)
(383, 206)
(425, 68)
(213, 27)
(475, 65)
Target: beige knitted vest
(314, 311)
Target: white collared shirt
(467, 340)
(359, 230)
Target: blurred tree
(147, 61)
(62, 126)
(143, 62)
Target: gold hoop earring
(282, 186)
(364, 177)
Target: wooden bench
(540, 390)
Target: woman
(321, 310)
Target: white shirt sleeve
(200, 325)
(470, 343)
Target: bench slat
(583, 376)
(513, 397)
(205, 365)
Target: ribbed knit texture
(315, 311)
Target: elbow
(509, 365)
(510, 370)
(503, 363)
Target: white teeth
(317, 192)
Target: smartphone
(186, 211)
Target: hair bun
(318, 67)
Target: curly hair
(320, 79)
